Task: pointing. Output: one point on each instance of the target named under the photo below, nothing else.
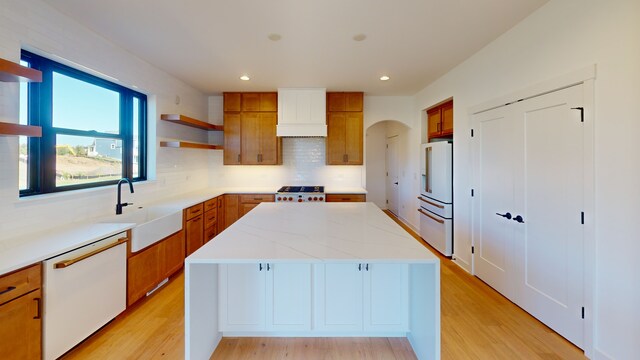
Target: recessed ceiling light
(274, 37)
(359, 37)
(384, 78)
(245, 78)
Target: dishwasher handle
(66, 263)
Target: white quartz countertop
(45, 245)
(314, 232)
(29, 249)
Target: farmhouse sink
(153, 224)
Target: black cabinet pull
(518, 219)
(366, 267)
(507, 215)
(10, 288)
(260, 267)
(359, 267)
(39, 313)
(268, 267)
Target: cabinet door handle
(10, 288)
(39, 313)
(359, 267)
(260, 267)
(344, 158)
(268, 267)
(238, 158)
(366, 267)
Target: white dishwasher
(84, 289)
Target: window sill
(72, 194)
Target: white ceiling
(210, 43)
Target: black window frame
(42, 151)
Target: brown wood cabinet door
(250, 138)
(446, 127)
(245, 208)
(221, 219)
(231, 208)
(268, 138)
(269, 101)
(194, 234)
(336, 101)
(232, 138)
(336, 137)
(346, 198)
(353, 101)
(434, 122)
(143, 273)
(232, 102)
(21, 327)
(353, 138)
(172, 251)
(210, 233)
(250, 102)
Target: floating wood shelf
(9, 129)
(187, 121)
(189, 145)
(12, 72)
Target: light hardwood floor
(477, 323)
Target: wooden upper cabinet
(232, 138)
(250, 133)
(447, 119)
(232, 102)
(344, 138)
(440, 120)
(259, 141)
(345, 101)
(260, 101)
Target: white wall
(36, 26)
(559, 38)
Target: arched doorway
(387, 152)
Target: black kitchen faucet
(119, 205)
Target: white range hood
(302, 112)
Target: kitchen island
(312, 269)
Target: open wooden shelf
(9, 129)
(12, 72)
(187, 121)
(189, 145)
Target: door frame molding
(585, 76)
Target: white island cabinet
(312, 269)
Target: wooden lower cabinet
(221, 215)
(172, 252)
(194, 233)
(147, 268)
(346, 197)
(21, 315)
(231, 208)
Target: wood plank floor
(477, 323)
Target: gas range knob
(309, 198)
(290, 198)
(299, 200)
(315, 198)
(321, 198)
(279, 198)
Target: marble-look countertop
(50, 243)
(314, 232)
(29, 249)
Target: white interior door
(393, 187)
(549, 196)
(529, 167)
(493, 206)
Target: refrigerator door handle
(431, 216)
(427, 170)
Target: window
(93, 130)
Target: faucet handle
(126, 204)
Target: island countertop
(313, 233)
